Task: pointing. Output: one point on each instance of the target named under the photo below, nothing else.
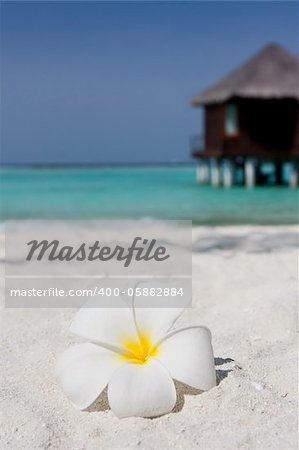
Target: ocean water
(163, 192)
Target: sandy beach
(245, 282)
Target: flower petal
(109, 327)
(157, 320)
(141, 390)
(188, 355)
(84, 370)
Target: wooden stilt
(293, 176)
(202, 172)
(198, 173)
(215, 172)
(227, 173)
(249, 173)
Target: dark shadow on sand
(101, 404)
(221, 374)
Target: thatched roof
(271, 73)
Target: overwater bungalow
(251, 123)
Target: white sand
(245, 291)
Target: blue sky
(100, 82)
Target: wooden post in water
(202, 172)
(228, 173)
(215, 172)
(293, 176)
(249, 173)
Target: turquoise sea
(164, 192)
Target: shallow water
(163, 192)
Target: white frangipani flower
(133, 351)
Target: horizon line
(97, 164)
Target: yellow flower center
(139, 351)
